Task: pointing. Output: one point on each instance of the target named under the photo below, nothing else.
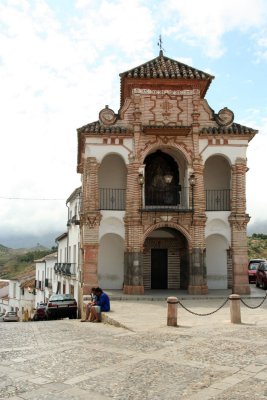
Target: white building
(21, 296)
(67, 271)
(4, 288)
(44, 278)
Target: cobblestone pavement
(203, 358)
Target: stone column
(238, 221)
(90, 220)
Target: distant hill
(3, 249)
(257, 246)
(14, 262)
(24, 240)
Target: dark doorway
(159, 269)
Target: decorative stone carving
(224, 117)
(107, 116)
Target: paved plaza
(140, 357)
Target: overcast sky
(59, 66)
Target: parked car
(261, 275)
(2, 316)
(39, 314)
(11, 316)
(61, 306)
(252, 269)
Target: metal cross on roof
(160, 45)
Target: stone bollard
(235, 313)
(172, 311)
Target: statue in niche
(158, 180)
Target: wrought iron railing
(218, 200)
(172, 199)
(112, 199)
(66, 269)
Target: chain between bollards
(235, 314)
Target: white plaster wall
(217, 173)
(62, 244)
(100, 151)
(112, 222)
(230, 151)
(112, 172)
(111, 262)
(216, 261)
(217, 223)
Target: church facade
(163, 187)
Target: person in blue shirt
(102, 304)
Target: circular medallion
(107, 116)
(224, 117)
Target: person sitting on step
(102, 305)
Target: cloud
(56, 77)
(256, 191)
(205, 23)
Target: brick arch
(173, 225)
(165, 147)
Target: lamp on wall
(168, 178)
(141, 179)
(192, 182)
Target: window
(14, 290)
(74, 254)
(69, 255)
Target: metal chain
(253, 307)
(206, 314)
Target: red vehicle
(261, 275)
(39, 314)
(252, 269)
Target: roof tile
(96, 127)
(232, 129)
(165, 67)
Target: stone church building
(163, 187)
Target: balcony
(112, 199)
(66, 269)
(218, 200)
(176, 199)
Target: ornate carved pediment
(91, 220)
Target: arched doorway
(165, 260)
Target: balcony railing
(175, 199)
(67, 269)
(112, 199)
(218, 200)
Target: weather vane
(160, 44)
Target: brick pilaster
(90, 220)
